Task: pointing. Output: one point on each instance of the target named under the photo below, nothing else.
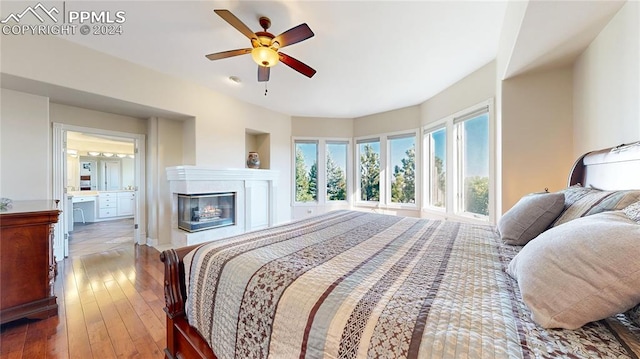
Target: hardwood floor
(97, 237)
(110, 306)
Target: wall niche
(257, 141)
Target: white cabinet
(126, 203)
(107, 204)
(257, 205)
(116, 204)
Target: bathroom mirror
(99, 163)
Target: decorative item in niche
(5, 203)
(253, 161)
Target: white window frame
(321, 151)
(426, 165)
(454, 159)
(386, 170)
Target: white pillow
(581, 271)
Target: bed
(351, 284)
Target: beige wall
(536, 133)
(25, 143)
(168, 152)
(407, 118)
(477, 87)
(321, 127)
(189, 142)
(77, 116)
(607, 85)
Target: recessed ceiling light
(235, 80)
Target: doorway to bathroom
(101, 180)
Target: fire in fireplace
(198, 212)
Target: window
(402, 162)
(336, 170)
(322, 171)
(306, 170)
(369, 169)
(473, 158)
(435, 144)
(458, 160)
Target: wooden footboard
(183, 341)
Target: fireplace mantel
(201, 173)
(255, 191)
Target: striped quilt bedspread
(363, 285)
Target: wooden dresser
(27, 265)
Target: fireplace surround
(255, 193)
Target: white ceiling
(371, 56)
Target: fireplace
(198, 212)
(253, 194)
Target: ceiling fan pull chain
(265, 88)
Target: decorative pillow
(634, 314)
(617, 200)
(581, 271)
(596, 201)
(529, 217)
(574, 193)
(633, 211)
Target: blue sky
(477, 150)
(310, 150)
(440, 142)
(398, 151)
(338, 154)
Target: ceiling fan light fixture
(265, 56)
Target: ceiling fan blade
(263, 73)
(293, 35)
(297, 65)
(227, 16)
(225, 54)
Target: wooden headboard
(615, 168)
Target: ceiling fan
(265, 47)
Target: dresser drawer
(107, 212)
(126, 194)
(80, 199)
(111, 204)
